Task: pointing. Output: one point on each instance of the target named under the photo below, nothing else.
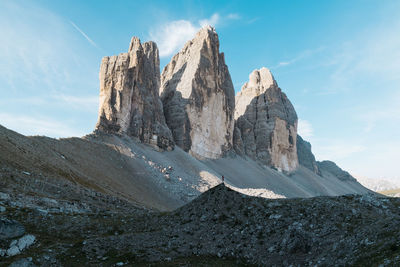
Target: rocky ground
(119, 167)
(221, 227)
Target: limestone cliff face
(305, 155)
(266, 123)
(129, 100)
(198, 97)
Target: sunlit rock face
(129, 99)
(266, 123)
(198, 97)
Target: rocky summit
(198, 97)
(266, 122)
(129, 101)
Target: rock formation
(266, 122)
(129, 100)
(305, 156)
(335, 170)
(198, 97)
(193, 106)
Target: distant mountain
(377, 185)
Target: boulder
(17, 246)
(266, 122)
(129, 99)
(24, 262)
(198, 97)
(10, 229)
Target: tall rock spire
(266, 123)
(129, 99)
(198, 97)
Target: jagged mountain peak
(260, 80)
(129, 101)
(198, 97)
(266, 123)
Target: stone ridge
(266, 123)
(305, 155)
(331, 167)
(129, 100)
(198, 97)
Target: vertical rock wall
(305, 155)
(129, 99)
(198, 97)
(266, 123)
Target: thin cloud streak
(233, 16)
(303, 55)
(84, 34)
(48, 82)
(251, 21)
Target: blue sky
(338, 62)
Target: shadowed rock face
(331, 167)
(198, 97)
(266, 123)
(305, 155)
(129, 100)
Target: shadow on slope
(122, 168)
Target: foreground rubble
(219, 227)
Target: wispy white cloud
(379, 160)
(302, 55)
(363, 72)
(361, 156)
(172, 35)
(251, 21)
(366, 60)
(212, 21)
(45, 71)
(381, 113)
(233, 16)
(337, 150)
(305, 129)
(88, 103)
(83, 34)
(30, 125)
(58, 101)
(38, 51)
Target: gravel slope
(123, 168)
